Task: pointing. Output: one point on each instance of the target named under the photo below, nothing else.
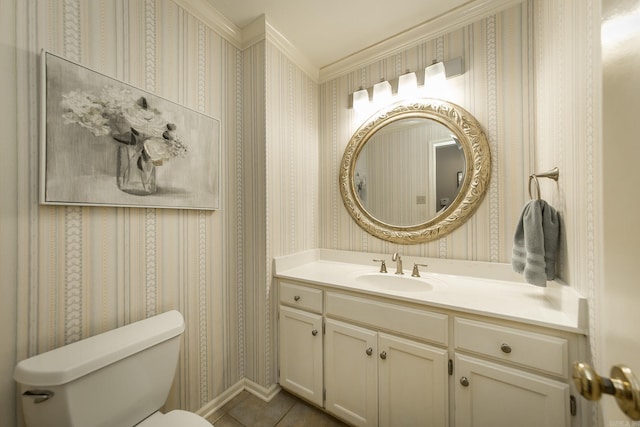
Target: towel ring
(552, 174)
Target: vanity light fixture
(441, 70)
(434, 74)
(406, 86)
(382, 93)
(360, 99)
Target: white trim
(296, 56)
(262, 392)
(210, 16)
(257, 390)
(459, 17)
(261, 29)
(210, 408)
(254, 32)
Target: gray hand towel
(535, 244)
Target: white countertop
(489, 289)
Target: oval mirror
(415, 171)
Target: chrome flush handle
(39, 395)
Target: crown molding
(260, 29)
(464, 15)
(210, 16)
(296, 56)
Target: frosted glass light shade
(434, 74)
(382, 93)
(360, 99)
(407, 85)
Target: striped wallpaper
(98, 268)
(83, 270)
(494, 89)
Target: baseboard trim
(262, 392)
(256, 389)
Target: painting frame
(105, 142)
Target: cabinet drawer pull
(506, 348)
(464, 381)
(369, 351)
(383, 355)
(296, 298)
(314, 332)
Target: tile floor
(284, 410)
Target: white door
(489, 394)
(301, 353)
(413, 383)
(351, 379)
(618, 315)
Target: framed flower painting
(107, 143)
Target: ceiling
(327, 31)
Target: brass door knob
(623, 385)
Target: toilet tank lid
(65, 364)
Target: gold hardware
(623, 385)
(383, 266)
(416, 272)
(398, 260)
(553, 174)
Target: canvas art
(107, 143)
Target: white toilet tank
(114, 379)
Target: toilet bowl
(175, 418)
(119, 378)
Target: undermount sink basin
(393, 282)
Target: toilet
(120, 378)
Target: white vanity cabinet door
(351, 375)
(413, 383)
(301, 353)
(489, 394)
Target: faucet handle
(383, 266)
(416, 272)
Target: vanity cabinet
(300, 344)
(301, 353)
(375, 361)
(508, 376)
(373, 378)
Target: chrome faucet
(396, 258)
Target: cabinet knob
(464, 381)
(314, 332)
(369, 351)
(506, 348)
(296, 298)
(383, 355)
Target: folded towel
(535, 244)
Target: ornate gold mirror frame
(477, 157)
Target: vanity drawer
(302, 297)
(541, 352)
(408, 321)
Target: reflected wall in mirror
(415, 171)
(407, 171)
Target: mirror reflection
(410, 170)
(415, 171)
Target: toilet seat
(174, 418)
